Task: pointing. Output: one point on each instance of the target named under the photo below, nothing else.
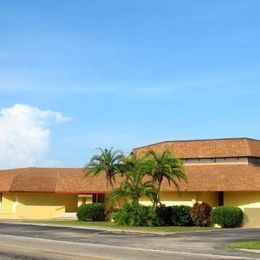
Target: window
(254, 160)
(220, 198)
(98, 198)
(219, 160)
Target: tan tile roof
(232, 147)
(55, 180)
(229, 177)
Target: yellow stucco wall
(84, 199)
(249, 202)
(47, 205)
(8, 200)
(7, 206)
(185, 198)
(210, 197)
(37, 205)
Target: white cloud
(25, 135)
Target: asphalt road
(20, 241)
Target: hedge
(91, 212)
(174, 215)
(181, 216)
(227, 216)
(165, 214)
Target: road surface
(23, 241)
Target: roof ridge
(196, 140)
(31, 168)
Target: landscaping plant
(142, 176)
(200, 214)
(134, 184)
(164, 166)
(227, 216)
(108, 162)
(165, 214)
(174, 215)
(91, 212)
(134, 214)
(181, 216)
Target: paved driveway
(20, 241)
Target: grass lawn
(245, 245)
(111, 225)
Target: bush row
(134, 214)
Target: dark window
(98, 198)
(220, 198)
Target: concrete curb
(256, 251)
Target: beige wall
(210, 197)
(249, 202)
(185, 198)
(37, 205)
(47, 205)
(84, 199)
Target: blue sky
(130, 73)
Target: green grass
(245, 245)
(111, 225)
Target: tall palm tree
(164, 166)
(108, 162)
(134, 185)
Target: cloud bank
(25, 135)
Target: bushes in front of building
(164, 214)
(174, 215)
(227, 216)
(135, 214)
(91, 212)
(200, 214)
(182, 216)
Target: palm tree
(134, 185)
(164, 166)
(108, 162)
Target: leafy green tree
(164, 166)
(108, 162)
(134, 184)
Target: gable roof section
(210, 148)
(229, 177)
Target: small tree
(162, 166)
(108, 162)
(134, 184)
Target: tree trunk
(157, 197)
(136, 199)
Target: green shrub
(174, 215)
(227, 217)
(200, 214)
(164, 214)
(134, 214)
(91, 212)
(181, 216)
